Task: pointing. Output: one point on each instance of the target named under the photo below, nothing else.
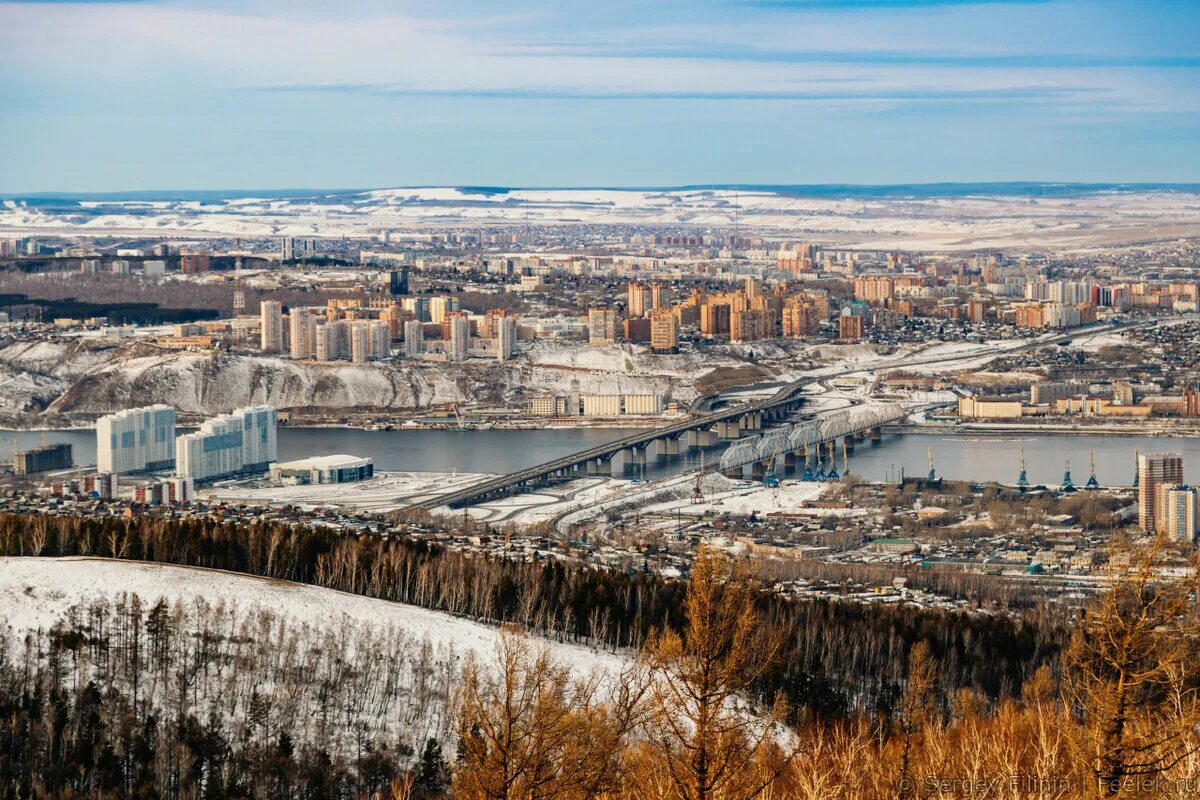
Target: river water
(965, 456)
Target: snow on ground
(386, 491)
(755, 499)
(1083, 221)
(36, 592)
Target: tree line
(1117, 714)
(835, 656)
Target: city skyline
(156, 95)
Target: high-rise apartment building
(240, 442)
(714, 319)
(874, 288)
(505, 336)
(136, 440)
(459, 343)
(602, 325)
(660, 296)
(360, 344)
(1155, 470)
(414, 338)
(271, 323)
(750, 325)
(301, 333)
(440, 308)
(640, 299)
(850, 328)
(664, 331)
(1181, 513)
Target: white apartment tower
(302, 326)
(136, 440)
(506, 337)
(414, 338)
(460, 338)
(242, 441)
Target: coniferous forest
(731, 691)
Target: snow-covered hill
(926, 222)
(37, 592)
(81, 379)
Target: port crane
(770, 479)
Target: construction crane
(1022, 480)
(770, 479)
(697, 493)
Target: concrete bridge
(701, 432)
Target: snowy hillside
(913, 222)
(37, 592)
(87, 378)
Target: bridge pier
(699, 438)
(848, 442)
(757, 470)
(633, 457)
(789, 461)
(728, 430)
(876, 434)
(599, 466)
(665, 447)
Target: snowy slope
(36, 592)
(942, 223)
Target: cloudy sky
(203, 94)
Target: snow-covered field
(387, 491)
(36, 592)
(1083, 221)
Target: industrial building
(238, 443)
(42, 459)
(136, 440)
(323, 469)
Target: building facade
(136, 440)
(241, 442)
(1155, 470)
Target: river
(965, 456)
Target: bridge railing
(793, 437)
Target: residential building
(460, 337)
(850, 328)
(271, 323)
(241, 442)
(1155, 470)
(505, 335)
(640, 300)
(1181, 513)
(43, 459)
(301, 333)
(664, 331)
(136, 440)
(414, 338)
(602, 325)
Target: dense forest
(836, 657)
(123, 700)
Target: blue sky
(210, 94)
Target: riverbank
(1159, 429)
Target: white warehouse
(237, 443)
(136, 440)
